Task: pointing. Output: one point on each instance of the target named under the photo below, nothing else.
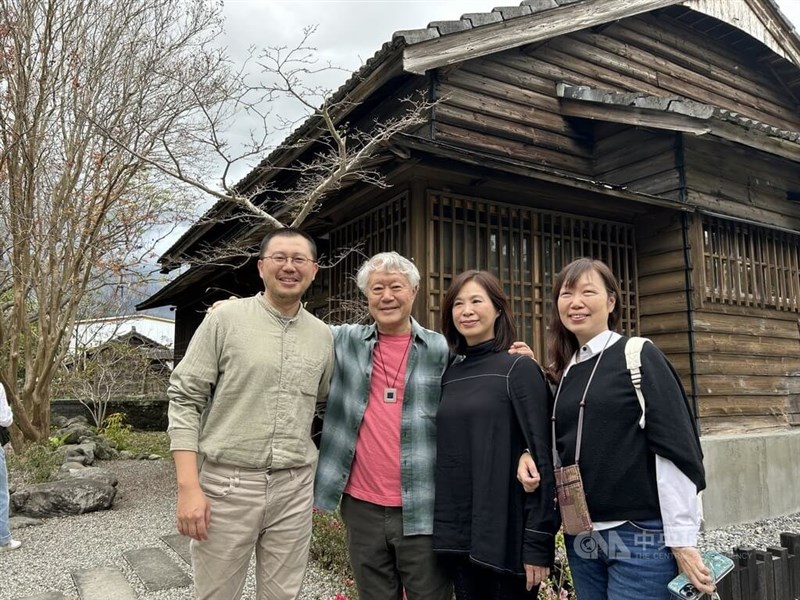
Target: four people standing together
(421, 446)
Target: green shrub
(329, 550)
(55, 441)
(115, 429)
(35, 464)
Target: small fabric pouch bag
(572, 501)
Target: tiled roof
(672, 104)
(437, 29)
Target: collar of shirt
(275, 312)
(593, 346)
(417, 331)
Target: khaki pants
(385, 562)
(254, 508)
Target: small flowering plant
(559, 585)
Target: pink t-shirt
(375, 474)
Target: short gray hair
(387, 262)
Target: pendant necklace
(390, 391)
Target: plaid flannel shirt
(347, 401)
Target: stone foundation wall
(148, 414)
(750, 477)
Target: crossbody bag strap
(556, 458)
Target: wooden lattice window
(525, 248)
(381, 229)
(747, 265)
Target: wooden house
(661, 136)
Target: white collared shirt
(677, 494)
(6, 418)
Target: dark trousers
(385, 561)
(475, 582)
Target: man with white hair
(378, 447)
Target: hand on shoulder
(522, 349)
(219, 303)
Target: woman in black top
(641, 472)
(494, 406)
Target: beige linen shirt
(246, 391)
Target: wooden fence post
(728, 588)
(782, 582)
(766, 579)
(749, 574)
(791, 541)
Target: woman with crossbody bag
(627, 482)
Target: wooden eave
(532, 171)
(761, 19)
(675, 114)
(189, 279)
(504, 35)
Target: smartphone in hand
(719, 565)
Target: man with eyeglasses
(241, 405)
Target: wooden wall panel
(746, 360)
(505, 104)
(754, 186)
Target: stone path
(156, 569)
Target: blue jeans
(628, 562)
(5, 534)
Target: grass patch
(148, 442)
(36, 464)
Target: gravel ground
(144, 510)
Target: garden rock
(60, 498)
(71, 466)
(88, 449)
(103, 449)
(127, 455)
(73, 433)
(77, 457)
(93, 473)
(22, 522)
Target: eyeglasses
(280, 260)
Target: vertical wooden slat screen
(382, 229)
(747, 265)
(525, 248)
